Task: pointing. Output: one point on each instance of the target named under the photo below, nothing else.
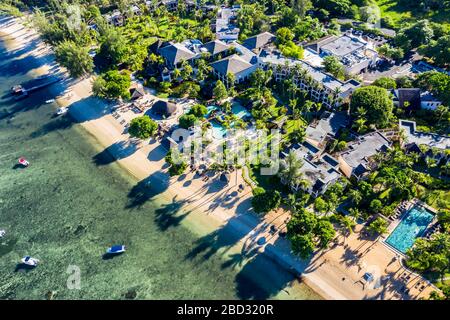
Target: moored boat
(2, 233)
(61, 111)
(116, 249)
(23, 162)
(29, 261)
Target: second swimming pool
(412, 226)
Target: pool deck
(393, 225)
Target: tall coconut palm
(290, 170)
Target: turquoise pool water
(210, 109)
(412, 226)
(240, 111)
(218, 130)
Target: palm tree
(290, 170)
(359, 125)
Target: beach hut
(225, 177)
(164, 108)
(137, 93)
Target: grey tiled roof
(329, 124)
(258, 41)
(175, 53)
(232, 64)
(365, 147)
(216, 46)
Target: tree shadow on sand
(116, 151)
(223, 238)
(148, 188)
(262, 278)
(169, 216)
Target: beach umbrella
(225, 177)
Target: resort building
(225, 27)
(258, 41)
(414, 99)
(356, 54)
(319, 171)
(357, 160)
(217, 47)
(175, 53)
(428, 101)
(241, 64)
(431, 140)
(321, 86)
(165, 109)
(318, 132)
(115, 18)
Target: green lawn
(400, 13)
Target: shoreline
(105, 132)
(206, 208)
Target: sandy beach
(219, 209)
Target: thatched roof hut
(164, 108)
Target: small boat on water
(61, 111)
(23, 162)
(2, 233)
(50, 101)
(117, 249)
(29, 261)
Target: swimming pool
(218, 130)
(210, 109)
(240, 111)
(412, 226)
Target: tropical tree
(290, 171)
(142, 127)
(375, 103)
(334, 66)
(378, 226)
(75, 58)
(112, 85)
(264, 201)
(219, 91)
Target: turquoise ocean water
(74, 201)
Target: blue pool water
(210, 109)
(412, 226)
(240, 111)
(218, 130)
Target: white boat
(2, 233)
(61, 111)
(24, 162)
(50, 101)
(117, 249)
(29, 261)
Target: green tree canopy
(266, 201)
(198, 110)
(220, 91)
(334, 66)
(142, 127)
(378, 226)
(385, 82)
(187, 120)
(376, 103)
(113, 84)
(75, 58)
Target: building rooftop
(216, 46)
(423, 138)
(319, 171)
(343, 45)
(232, 64)
(176, 52)
(365, 147)
(407, 95)
(258, 41)
(329, 124)
(326, 79)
